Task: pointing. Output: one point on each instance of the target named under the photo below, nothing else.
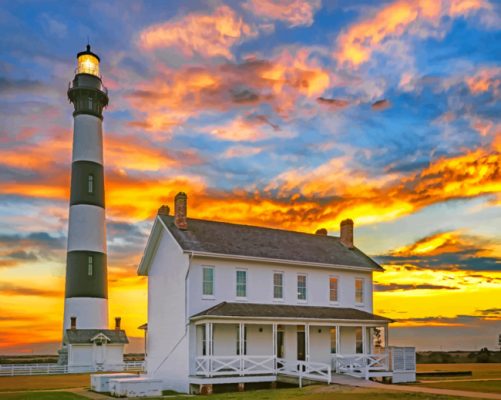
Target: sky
(292, 114)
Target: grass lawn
(479, 371)
(43, 382)
(41, 396)
(321, 393)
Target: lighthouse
(86, 295)
(86, 292)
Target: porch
(254, 350)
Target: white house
(232, 303)
(94, 349)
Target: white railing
(361, 365)
(54, 369)
(234, 365)
(211, 366)
(304, 369)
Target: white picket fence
(54, 369)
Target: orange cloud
(485, 79)
(196, 33)
(420, 17)
(177, 94)
(292, 12)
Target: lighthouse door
(100, 349)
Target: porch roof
(285, 311)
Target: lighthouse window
(90, 265)
(90, 187)
(90, 103)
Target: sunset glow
(292, 114)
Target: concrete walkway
(356, 382)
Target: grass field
(40, 396)
(43, 382)
(479, 371)
(25, 385)
(322, 393)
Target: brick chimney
(118, 320)
(73, 323)
(321, 232)
(180, 211)
(164, 210)
(347, 233)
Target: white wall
(320, 344)
(168, 338)
(80, 355)
(260, 284)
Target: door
(301, 345)
(280, 344)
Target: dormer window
(90, 184)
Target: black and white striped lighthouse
(86, 297)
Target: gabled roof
(87, 336)
(225, 239)
(277, 311)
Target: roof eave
(233, 317)
(151, 247)
(277, 260)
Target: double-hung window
(333, 289)
(241, 283)
(301, 287)
(359, 291)
(278, 285)
(208, 281)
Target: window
(359, 290)
(333, 332)
(244, 345)
(278, 285)
(333, 289)
(241, 283)
(301, 287)
(90, 184)
(90, 265)
(359, 344)
(90, 103)
(208, 281)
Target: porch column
(386, 338)
(209, 349)
(274, 338)
(241, 327)
(338, 339)
(307, 340)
